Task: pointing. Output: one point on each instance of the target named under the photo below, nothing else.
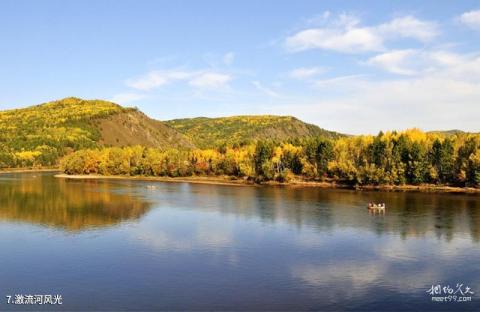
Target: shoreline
(225, 180)
(33, 170)
(195, 180)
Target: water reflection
(71, 205)
(207, 247)
(407, 214)
(76, 205)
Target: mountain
(448, 132)
(41, 134)
(210, 132)
(132, 127)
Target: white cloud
(306, 72)
(265, 90)
(444, 94)
(228, 58)
(344, 81)
(210, 80)
(345, 34)
(155, 79)
(351, 40)
(394, 61)
(198, 79)
(124, 98)
(421, 62)
(445, 58)
(471, 19)
(409, 27)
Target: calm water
(120, 245)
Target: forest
(242, 130)
(38, 136)
(69, 132)
(392, 158)
(41, 134)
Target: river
(117, 245)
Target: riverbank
(196, 180)
(33, 170)
(226, 180)
(427, 188)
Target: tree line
(393, 158)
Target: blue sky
(350, 66)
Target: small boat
(376, 206)
(151, 187)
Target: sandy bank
(225, 180)
(23, 170)
(198, 180)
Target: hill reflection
(70, 205)
(77, 205)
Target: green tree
(263, 154)
(442, 155)
(323, 155)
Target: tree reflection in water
(82, 204)
(70, 205)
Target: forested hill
(236, 130)
(449, 132)
(39, 135)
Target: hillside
(209, 132)
(39, 135)
(132, 127)
(448, 133)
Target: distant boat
(376, 206)
(151, 187)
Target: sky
(349, 66)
